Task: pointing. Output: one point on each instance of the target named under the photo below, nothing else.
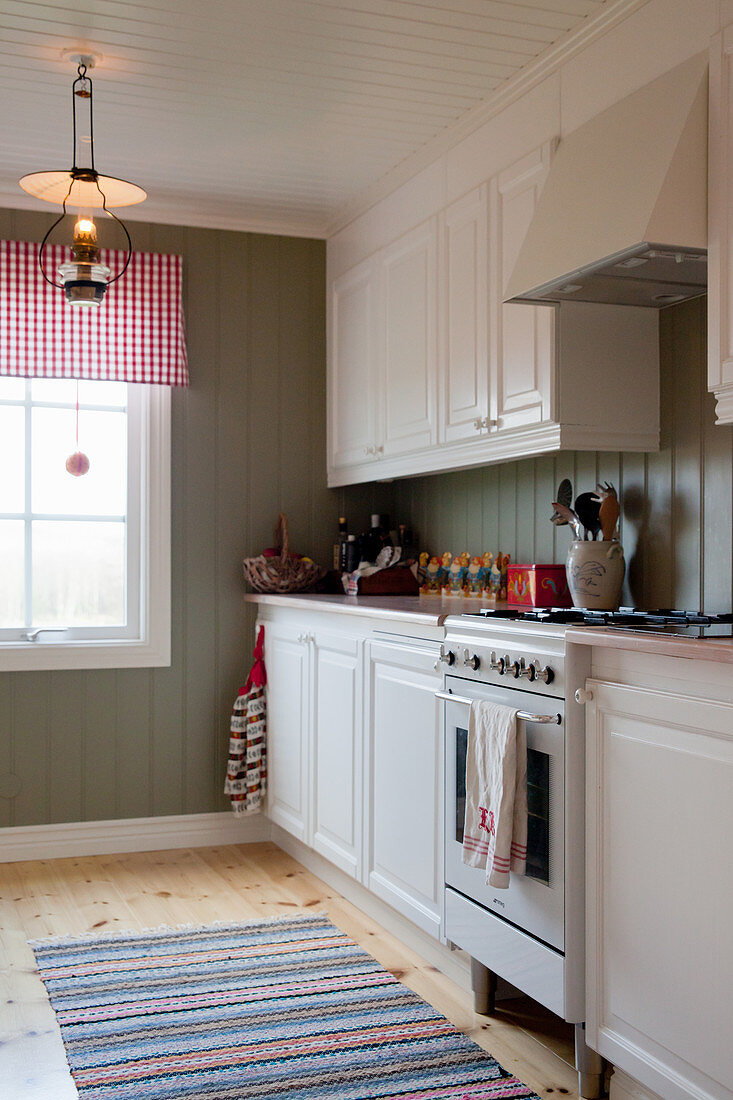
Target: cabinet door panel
(352, 355)
(523, 341)
(464, 305)
(406, 854)
(287, 662)
(720, 222)
(660, 889)
(337, 725)
(409, 380)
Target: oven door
(533, 902)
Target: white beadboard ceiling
(270, 114)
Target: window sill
(48, 657)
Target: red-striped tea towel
(246, 781)
(495, 825)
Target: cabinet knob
(484, 423)
(582, 696)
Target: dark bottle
(385, 537)
(406, 541)
(340, 562)
(351, 561)
(371, 543)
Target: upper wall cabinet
(409, 338)
(522, 337)
(352, 389)
(429, 370)
(720, 226)
(464, 317)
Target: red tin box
(538, 586)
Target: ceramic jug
(595, 574)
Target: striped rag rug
(288, 1008)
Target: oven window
(461, 753)
(538, 819)
(538, 806)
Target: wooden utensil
(609, 510)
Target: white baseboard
(625, 1088)
(139, 834)
(454, 964)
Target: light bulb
(85, 232)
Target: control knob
(496, 666)
(471, 660)
(546, 675)
(448, 658)
(512, 666)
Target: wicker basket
(283, 573)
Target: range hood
(622, 218)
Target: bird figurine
(609, 510)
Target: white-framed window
(84, 561)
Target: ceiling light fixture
(84, 279)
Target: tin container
(538, 586)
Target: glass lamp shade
(84, 194)
(85, 283)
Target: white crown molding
(548, 62)
(139, 834)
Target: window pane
(63, 391)
(102, 393)
(54, 389)
(78, 573)
(12, 458)
(102, 437)
(11, 572)
(12, 389)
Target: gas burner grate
(625, 616)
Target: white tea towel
(495, 825)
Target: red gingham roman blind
(136, 335)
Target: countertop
(642, 641)
(433, 611)
(426, 610)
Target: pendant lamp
(84, 279)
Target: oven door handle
(523, 715)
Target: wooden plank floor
(103, 893)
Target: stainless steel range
(531, 934)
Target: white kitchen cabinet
(314, 701)
(353, 423)
(409, 335)
(660, 878)
(404, 781)
(720, 225)
(287, 660)
(522, 336)
(463, 307)
(337, 749)
(430, 370)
